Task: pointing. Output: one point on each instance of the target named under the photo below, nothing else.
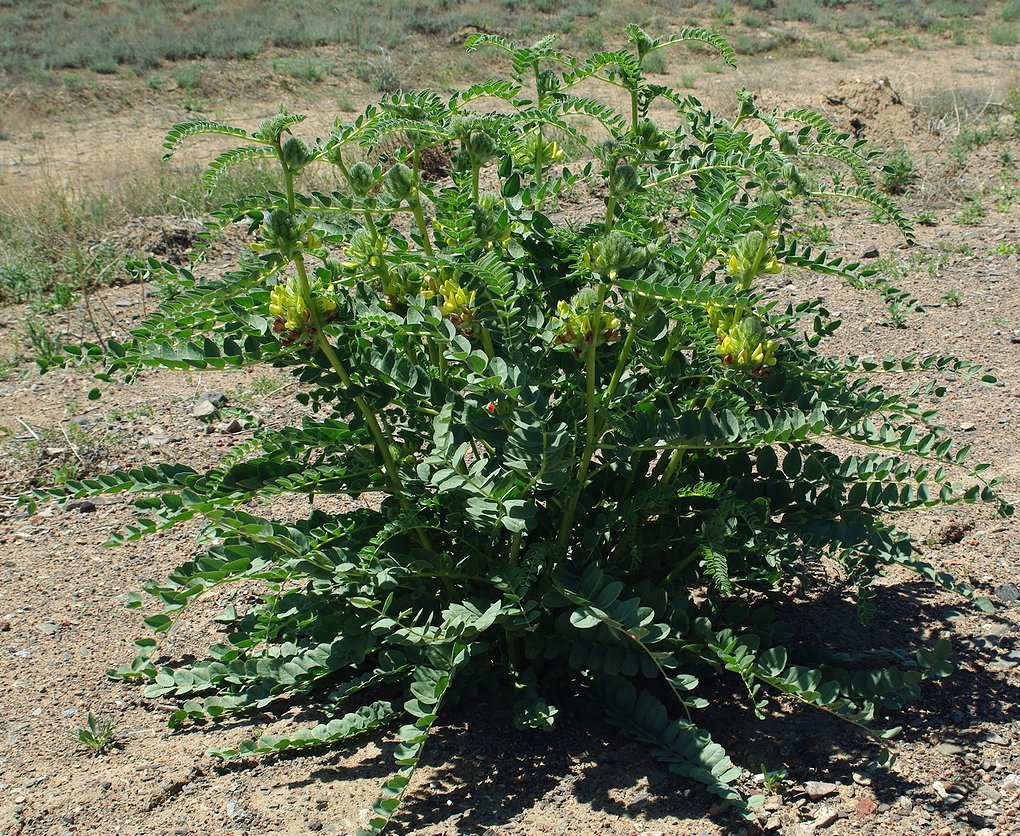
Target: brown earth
(62, 622)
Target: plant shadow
(483, 774)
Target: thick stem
(567, 522)
(610, 208)
(621, 364)
(371, 420)
(419, 218)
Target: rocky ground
(62, 622)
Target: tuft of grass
(971, 214)
(303, 68)
(97, 735)
(898, 172)
(1004, 34)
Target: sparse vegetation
(97, 735)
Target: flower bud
(624, 180)
(400, 181)
(611, 253)
(481, 147)
(751, 257)
(295, 154)
(648, 136)
(362, 178)
(491, 221)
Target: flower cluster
(291, 316)
(743, 341)
(751, 257)
(457, 305)
(574, 323)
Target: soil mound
(873, 110)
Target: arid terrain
(62, 619)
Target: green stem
(566, 524)
(621, 364)
(610, 208)
(419, 218)
(633, 110)
(371, 420)
(674, 462)
(515, 548)
(487, 342)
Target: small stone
(861, 779)
(866, 807)
(82, 506)
(871, 252)
(48, 628)
(233, 426)
(70, 712)
(204, 409)
(824, 816)
(949, 749)
(906, 803)
(820, 789)
(215, 398)
(1005, 663)
(315, 825)
(968, 427)
(639, 802)
(1007, 592)
(940, 790)
(996, 739)
(5, 625)
(989, 792)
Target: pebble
(824, 816)
(233, 426)
(989, 792)
(949, 749)
(996, 739)
(871, 252)
(315, 825)
(1005, 663)
(1007, 592)
(204, 409)
(820, 789)
(215, 398)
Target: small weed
(381, 75)
(926, 218)
(303, 68)
(188, 76)
(96, 735)
(1004, 34)
(818, 234)
(898, 172)
(1006, 248)
(951, 298)
(46, 348)
(654, 63)
(971, 214)
(772, 779)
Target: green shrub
(898, 172)
(601, 451)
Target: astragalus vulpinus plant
(590, 446)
